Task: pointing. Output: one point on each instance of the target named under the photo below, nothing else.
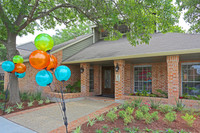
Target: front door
(108, 81)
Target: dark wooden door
(108, 81)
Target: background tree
(19, 17)
(71, 33)
(192, 14)
(3, 53)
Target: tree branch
(3, 42)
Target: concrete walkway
(7, 126)
(46, 119)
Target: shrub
(179, 105)
(189, 119)
(154, 104)
(129, 110)
(139, 115)
(128, 119)
(155, 115)
(40, 102)
(144, 109)
(9, 110)
(100, 118)
(171, 116)
(30, 103)
(77, 130)
(91, 122)
(20, 106)
(111, 116)
(122, 113)
(165, 108)
(148, 118)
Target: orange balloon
(53, 63)
(13, 71)
(20, 68)
(39, 59)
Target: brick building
(170, 62)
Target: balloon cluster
(42, 59)
(16, 66)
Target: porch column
(173, 78)
(97, 79)
(119, 79)
(128, 79)
(85, 78)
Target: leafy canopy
(20, 16)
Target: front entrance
(108, 81)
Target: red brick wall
(97, 79)
(85, 78)
(128, 78)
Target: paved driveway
(47, 119)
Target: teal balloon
(20, 75)
(44, 78)
(8, 66)
(62, 73)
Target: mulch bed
(25, 104)
(161, 124)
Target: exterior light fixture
(117, 68)
(82, 69)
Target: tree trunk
(13, 84)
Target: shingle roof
(26, 49)
(122, 48)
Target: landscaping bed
(149, 117)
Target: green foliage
(114, 109)
(20, 106)
(139, 115)
(111, 116)
(147, 130)
(30, 104)
(169, 130)
(129, 110)
(2, 96)
(1, 86)
(165, 108)
(9, 109)
(77, 130)
(189, 119)
(75, 88)
(115, 128)
(165, 94)
(91, 122)
(40, 102)
(37, 96)
(179, 105)
(144, 108)
(99, 131)
(3, 53)
(100, 118)
(171, 116)
(136, 102)
(47, 101)
(125, 105)
(154, 104)
(122, 113)
(155, 115)
(128, 119)
(2, 106)
(24, 96)
(148, 118)
(105, 126)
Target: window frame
(137, 66)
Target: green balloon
(44, 42)
(18, 59)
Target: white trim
(142, 66)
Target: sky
(51, 32)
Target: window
(142, 79)
(190, 78)
(91, 80)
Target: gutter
(186, 51)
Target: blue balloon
(8, 66)
(62, 73)
(44, 78)
(20, 75)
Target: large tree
(192, 13)
(19, 17)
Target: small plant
(38, 96)
(128, 119)
(144, 109)
(115, 128)
(9, 110)
(47, 101)
(122, 113)
(111, 116)
(169, 131)
(136, 129)
(30, 103)
(127, 129)
(90, 122)
(137, 102)
(139, 115)
(99, 131)
(129, 110)
(155, 115)
(165, 108)
(2, 106)
(77, 130)
(105, 126)
(40, 102)
(114, 109)
(189, 119)
(148, 118)
(182, 131)
(179, 105)
(157, 131)
(171, 116)
(100, 118)
(125, 105)
(20, 106)
(154, 104)
(147, 129)
(111, 131)
(24, 96)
